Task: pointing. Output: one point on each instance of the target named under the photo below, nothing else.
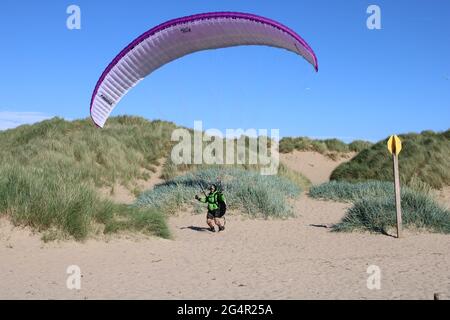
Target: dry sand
(443, 196)
(313, 165)
(253, 259)
(296, 258)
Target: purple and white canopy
(179, 37)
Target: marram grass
(246, 190)
(374, 207)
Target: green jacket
(212, 200)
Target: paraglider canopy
(179, 37)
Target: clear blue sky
(370, 83)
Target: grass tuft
(374, 207)
(256, 195)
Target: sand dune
(297, 258)
(121, 194)
(313, 165)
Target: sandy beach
(297, 258)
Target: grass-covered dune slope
(117, 153)
(49, 172)
(324, 146)
(374, 206)
(425, 157)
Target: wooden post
(398, 204)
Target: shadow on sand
(330, 226)
(326, 226)
(200, 229)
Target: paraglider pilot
(216, 208)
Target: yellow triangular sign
(394, 144)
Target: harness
(222, 206)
